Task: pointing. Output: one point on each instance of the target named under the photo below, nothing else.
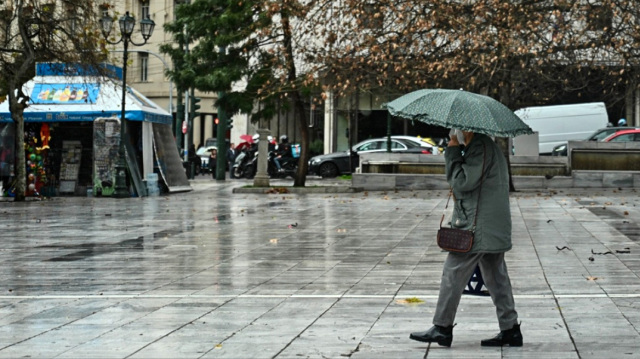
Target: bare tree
(41, 31)
(519, 52)
(522, 52)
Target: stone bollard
(262, 177)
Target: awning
(57, 97)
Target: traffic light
(229, 123)
(217, 121)
(195, 106)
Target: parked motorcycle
(242, 167)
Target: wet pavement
(211, 274)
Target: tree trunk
(303, 161)
(17, 111)
(503, 143)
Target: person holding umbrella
(477, 172)
(464, 170)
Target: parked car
(421, 141)
(204, 153)
(599, 135)
(624, 136)
(337, 163)
(213, 141)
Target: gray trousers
(458, 268)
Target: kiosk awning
(57, 96)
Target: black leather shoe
(511, 337)
(441, 335)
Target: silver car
(344, 162)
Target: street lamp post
(127, 23)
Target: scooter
(241, 167)
(289, 167)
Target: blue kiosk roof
(63, 92)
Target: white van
(558, 124)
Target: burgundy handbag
(455, 240)
(459, 240)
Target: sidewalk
(211, 274)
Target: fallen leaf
(592, 279)
(412, 300)
(218, 346)
(273, 240)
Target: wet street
(216, 274)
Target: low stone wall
(604, 156)
(415, 163)
(597, 165)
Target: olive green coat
(464, 171)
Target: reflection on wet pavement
(211, 274)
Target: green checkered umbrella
(459, 109)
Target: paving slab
(311, 274)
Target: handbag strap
(484, 158)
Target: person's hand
(453, 139)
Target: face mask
(459, 135)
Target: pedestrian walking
(478, 167)
(213, 159)
(231, 158)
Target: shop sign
(65, 93)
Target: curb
(297, 190)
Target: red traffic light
(217, 121)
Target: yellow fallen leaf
(218, 346)
(273, 240)
(593, 279)
(412, 300)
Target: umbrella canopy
(459, 109)
(246, 138)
